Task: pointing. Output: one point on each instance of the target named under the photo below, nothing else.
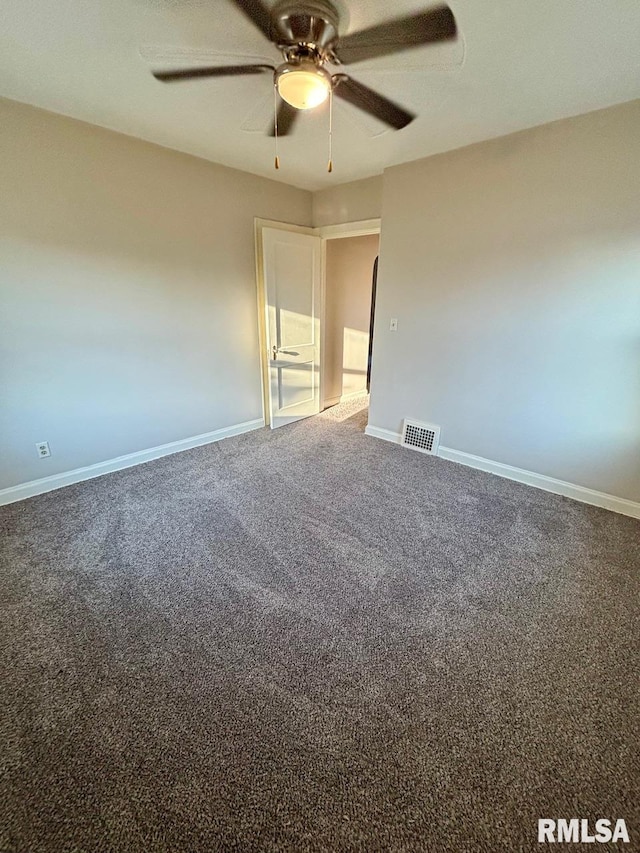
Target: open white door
(292, 278)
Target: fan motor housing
(310, 22)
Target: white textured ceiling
(519, 63)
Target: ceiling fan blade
(287, 116)
(377, 105)
(212, 71)
(171, 55)
(257, 13)
(435, 25)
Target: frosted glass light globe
(304, 87)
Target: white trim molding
(528, 478)
(384, 434)
(361, 228)
(330, 401)
(78, 475)
(343, 398)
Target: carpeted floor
(313, 640)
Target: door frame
(360, 228)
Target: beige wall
(513, 268)
(128, 308)
(352, 202)
(347, 314)
(128, 295)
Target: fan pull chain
(330, 163)
(275, 122)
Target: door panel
(296, 386)
(291, 268)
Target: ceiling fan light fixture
(303, 85)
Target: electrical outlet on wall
(393, 325)
(43, 449)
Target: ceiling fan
(306, 32)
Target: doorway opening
(316, 289)
(350, 277)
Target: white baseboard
(352, 395)
(68, 478)
(330, 401)
(384, 434)
(333, 401)
(529, 478)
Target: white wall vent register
(422, 437)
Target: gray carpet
(313, 640)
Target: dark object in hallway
(372, 318)
(312, 640)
